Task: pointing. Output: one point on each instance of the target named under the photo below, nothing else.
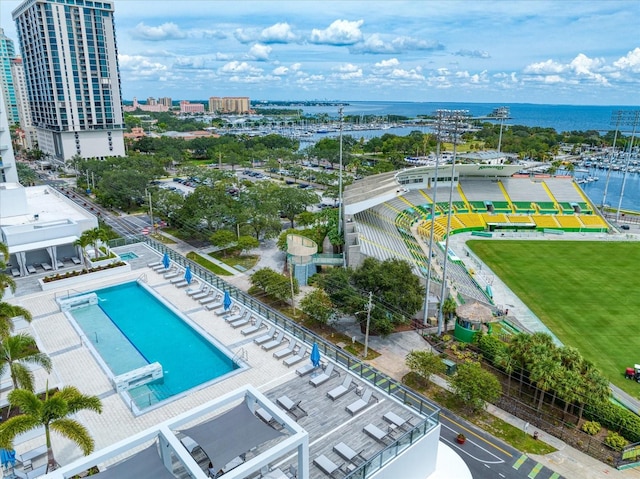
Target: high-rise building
(24, 113)
(229, 104)
(8, 53)
(166, 101)
(73, 82)
(8, 172)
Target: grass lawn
(205, 263)
(584, 291)
(245, 262)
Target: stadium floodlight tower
(501, 113)
(439, 114)
(454, 122)
(631, 118)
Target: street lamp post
(366, 333)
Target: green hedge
(615, 418)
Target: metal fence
(364, 371)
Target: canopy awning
(42, 244)
(146, 463)
(231, 434)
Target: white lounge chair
(397, 421)
(191, 292)
(46, 266)
(150, 265)
(266, 337)
(327, 466)
(210, 299)
(348, 454)
(75, 260)
(235, 315)
(306, 369)
(322, 377)
(376, 433)
(172, 274)
(253, 329)
(283, 353)
(31, 269)
(246, 319)
(15, 272)
(292, 407)
(277, 341)
(202, 294)
(299, 356)
(341, 390)
(361, 403)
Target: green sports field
(586, 292)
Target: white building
(73, 82)
(22, 100)
(38, 224)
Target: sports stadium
(391, 214)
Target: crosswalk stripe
(520, 462)
(534, 472)
(555, 475)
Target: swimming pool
(128, 255)
(130, 328)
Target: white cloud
(278, 33)
(401, 74)
(280, 71)
(631, 61)
(377, 44)
(140, 66)
(166, 31)
(347, 67)
(472, 53)
(296, 66)
(259, 52)
(340, 32)
(548, 66)
(391, 62)
(235, 67)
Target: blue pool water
(127, 256)
(131, 328)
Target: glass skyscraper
(73, 83)
(8, 53)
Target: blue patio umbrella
(187, 275)
(315, 355)
(226, 302)
(7, 456)
(166, 261)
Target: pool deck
(328, 423)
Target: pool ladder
(241, 354)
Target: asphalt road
(486, 456)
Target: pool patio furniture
(348, 454)
(299, 356)
(172, 274)
(15, 272)
(327, 466)
(341, 390)
(31, 269)
(268, 418)
(235, 314)
(253, 329)
(268, 336)
(396, 421)
(361, 403)
(275, 342)
(59, 264)
(191, 292)
(210, 299)
(75, 260)
(291, 407)
(243, 321)
(323, 377)
(376, 433)
(283, 353)
(202, 294)
(150, 265)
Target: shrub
(615, 441)
(591, 427)
(615, 418)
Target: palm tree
(7, 313)
(53, 413)
(18, 351)
(6, 281)
(448, 310)
(96, 236)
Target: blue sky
(530, 51)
